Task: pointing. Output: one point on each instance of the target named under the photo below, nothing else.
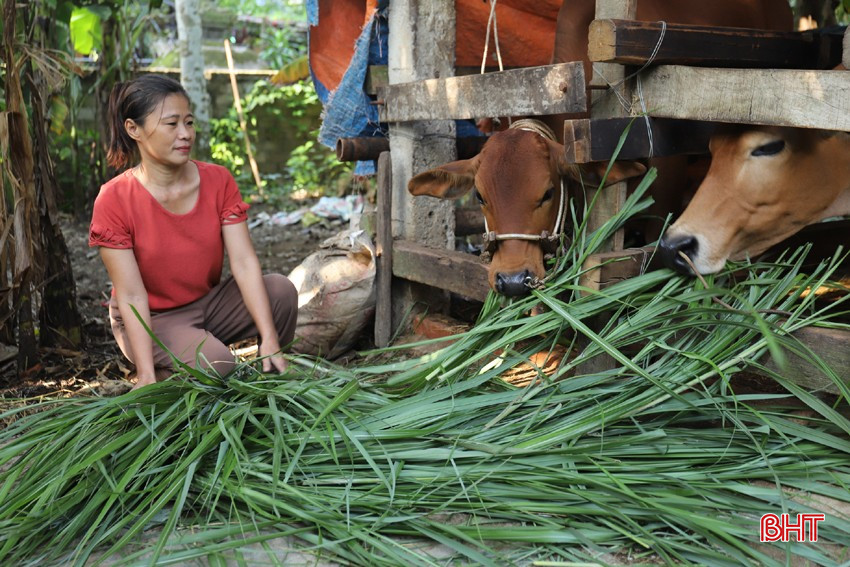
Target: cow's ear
(592, 173)
(448, 181)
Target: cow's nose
(513, 285)
(670, 248)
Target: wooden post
(242, 124)
(384, 250)
(846, 58)
(421, 46)
(606, 104)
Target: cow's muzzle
(673, 247)
(513, 285)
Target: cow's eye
(547, 195)
(770, 149)
(479, 198)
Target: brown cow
(517, 180)
(517, 174)
(764, 184)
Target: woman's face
(168, 132)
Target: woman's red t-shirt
(180, 257)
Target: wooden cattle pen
(693, 76)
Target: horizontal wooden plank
(377, 76)
(830, 345)
(589, 140)
(807, 99)
(532, 91)
(452, 271)
(632, 43)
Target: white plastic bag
(336, 294)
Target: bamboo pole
(242, 124)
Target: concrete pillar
(421, 46)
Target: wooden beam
(550, 89)
(807, 99)
(452, 271)
(605, 104)
(377, 76)
(630, 42)
(830, 345)
(589, 140)
(845, 60)
(384, 252)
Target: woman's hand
(130, 293)
(245, 267)
(143, 380)
(273, 359)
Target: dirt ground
(100, 365)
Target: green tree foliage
(309, 166)
(108, 38)
(842, 13)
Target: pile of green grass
(657, 459)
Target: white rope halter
(548, 241)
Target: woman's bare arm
(130, 290)
(248, 274)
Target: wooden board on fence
(806, 99)
(633, 43)
(452, 271)
(587, 140)
(550, 89)
(830, 345)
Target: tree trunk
(18, 166)
(59, 319)
(192, 69)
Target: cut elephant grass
(660, 459)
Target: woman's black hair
(134, 99)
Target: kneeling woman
(163, 227)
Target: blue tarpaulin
(347, 110)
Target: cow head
(763, 185)
(516, 178)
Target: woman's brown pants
(198, 333)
